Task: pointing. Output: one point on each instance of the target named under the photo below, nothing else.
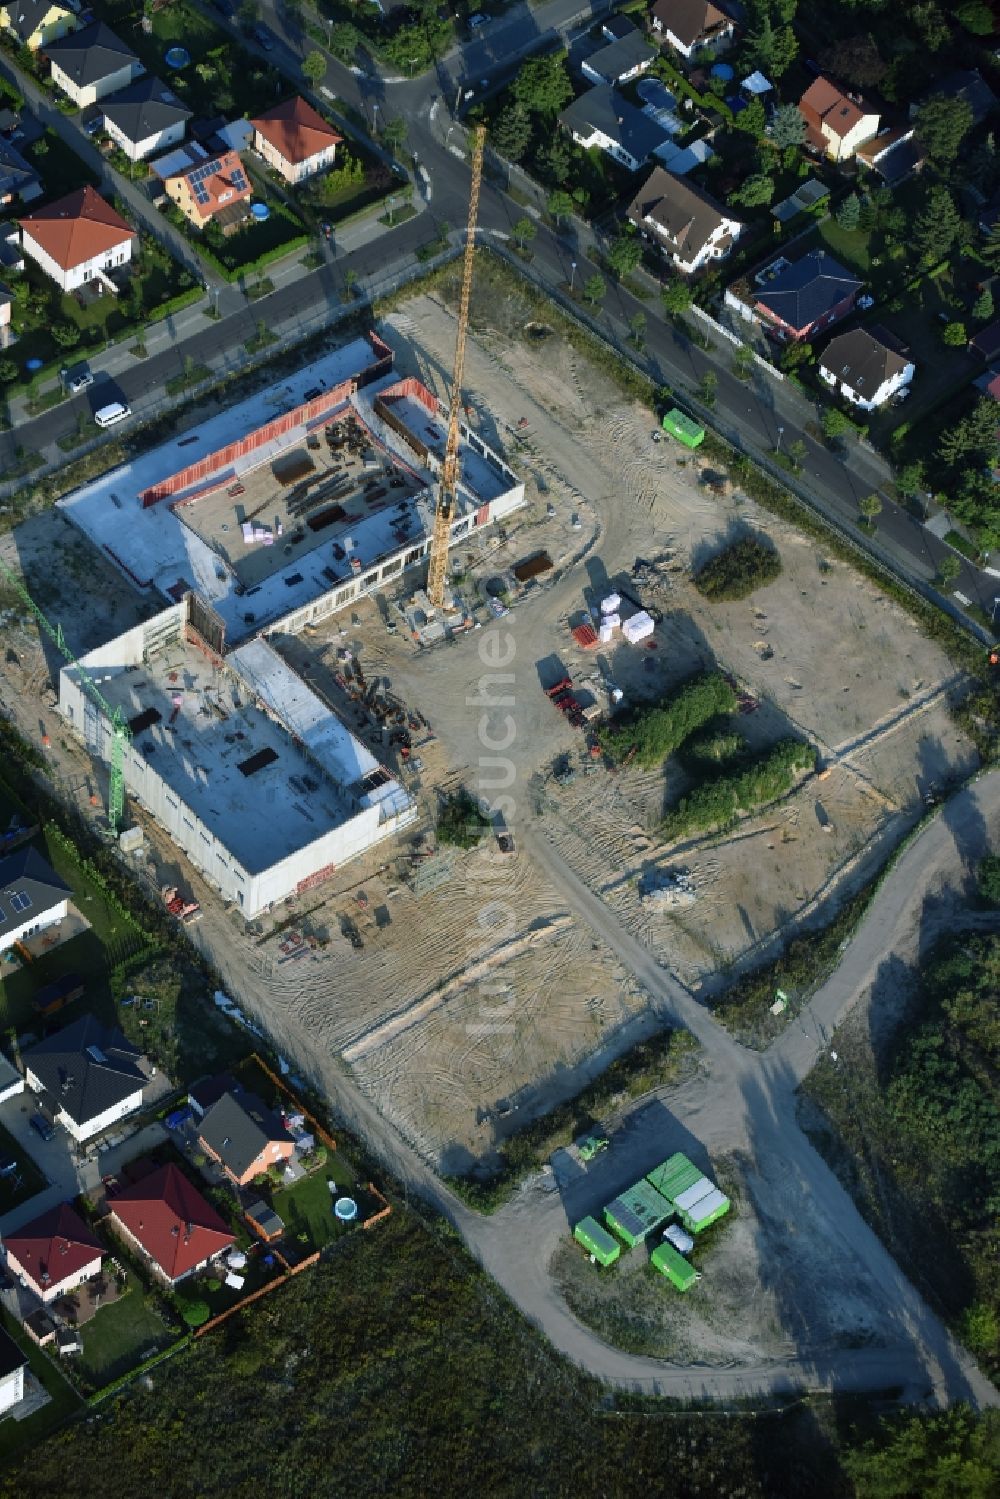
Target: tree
(624, 254)
(771, 48)
(971, 442)
(66, 335)
(856, 58)
(989, 250)
(982, 307)
(849, 212)
(867, 214)
(835, 423)
(675, 296)
(976, 16)
(543, 84)
(870, 506)
(394, 133)
(954, 336)
(788, 126)
(743, 362)
(560, 206)
(949, 568)
(755, 191)
(988, 874)
(950, 1454)
(911, 480)
(942, 124)
(350, 281)
(195, 1313)
(8, 371)
(343, 41)
(936, 226)
(523, 231)
(637, 329)
(594, 289)
(248, 13)
(314, 67)
(707, 387)
(931, 25)
(511, 134)
(752, 120)
(797, 452)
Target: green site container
(635, 1213)
(597, 1241)
(674, 1266)
(673, 1176)
(706, 1212)
(683, 428)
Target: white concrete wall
(77, 275)
(12, 1389)
(58, 1288)
(91, 92)
(32, 923)
(91, 1127)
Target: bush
(195, 1313)
(747, 564)
(718, 803)
(989, 879)
(460, 821)
(656, 732)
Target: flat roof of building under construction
(197, 724)
(160, 546)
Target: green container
(673, 1176)
(671, 1263)
(705, 1213)
(637, 1212)
(597, 1241)
(683, 428)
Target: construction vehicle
(448, 488)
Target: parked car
(477, 20)
(42, 1127)
(263, 38)
(76, 379)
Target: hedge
(681, 86)
(656, 732)
(717, 803)
(174, 304)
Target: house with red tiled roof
(54, 1253)
(295, 140)
(165, 1218)
(78, 239)
(836, 123)
(210, 189)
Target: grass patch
(29, 1434)
(739, 570)
(654, 733)
(120, 1336)
(398, 216)
(460, 821)
(307, 1208)
(188, 378)
(964, 545)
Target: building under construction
(263, 521)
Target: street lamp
(572, 273)
(996, 606)
(781, 433)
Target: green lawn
(307, 1208)
(31, 1179)
(17, 1436)
(120, 1336)
(61, 170)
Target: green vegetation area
(23, 1183)
(461, 821)
(745, 565)
(756, 780)
(410, 37)
(914, 1131)
(121, 1335)
(657, 731)
(655, 1063)
(29, 1434)
(307, 1207)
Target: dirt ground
(758, 1293)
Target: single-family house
(986, 343)
(145, 117)
(54, 1253)
(12, 1366)
(32, 896)
(295, 139)
(613, 28)
(836, 123)
(893, 154)
(245, 1137)
(167, 1220)
(91, 63)
(207, 1091)
(620, 60)
(215, 189)
(602, 117)
(806, 296)
(867, 366)
(78, 239)
(686, 224)
(11, 1081)
(88, 1076)
(35, 23)
(967, 84)
(692, 27)
(18, 180)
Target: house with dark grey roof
(602, 117)
(686, 224)
(620, 60)
(893, 154)
(32, 896)
(92, 63)
(145, 117)
(245, 1137)
(12, 1366)
(19, 182)
(35, 23)
(867, 366)
(806, 296)
(87, 1075)
(968, 85)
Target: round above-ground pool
(177, 57)
(345, 1209)
(34, 364)
(260, 212)
(724, 71)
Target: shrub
(742, 567)
(656, 732)
(195, 1313)
(460, 821)
(989, 879)
(717, 803)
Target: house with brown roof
(210, 189)
(78, 239)
(295, 139)
(686, 224)
(867, 366)
(54, 1253)
(836, 123)
(167, 1220)
(692, 27)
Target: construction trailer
(597, 1241)
(684, 428)
(695, 1199)
(673, 1176)
(680, 1273)
(636, 1213)
(708, 1210)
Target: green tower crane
(121, 734)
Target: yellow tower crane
(445, 511)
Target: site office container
(706, 1212)
(597, 1241)
(669, 1262)
(673, 1176)
(636, 1213)
(683, 428)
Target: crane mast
(447, 490)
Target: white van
(108, 415)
